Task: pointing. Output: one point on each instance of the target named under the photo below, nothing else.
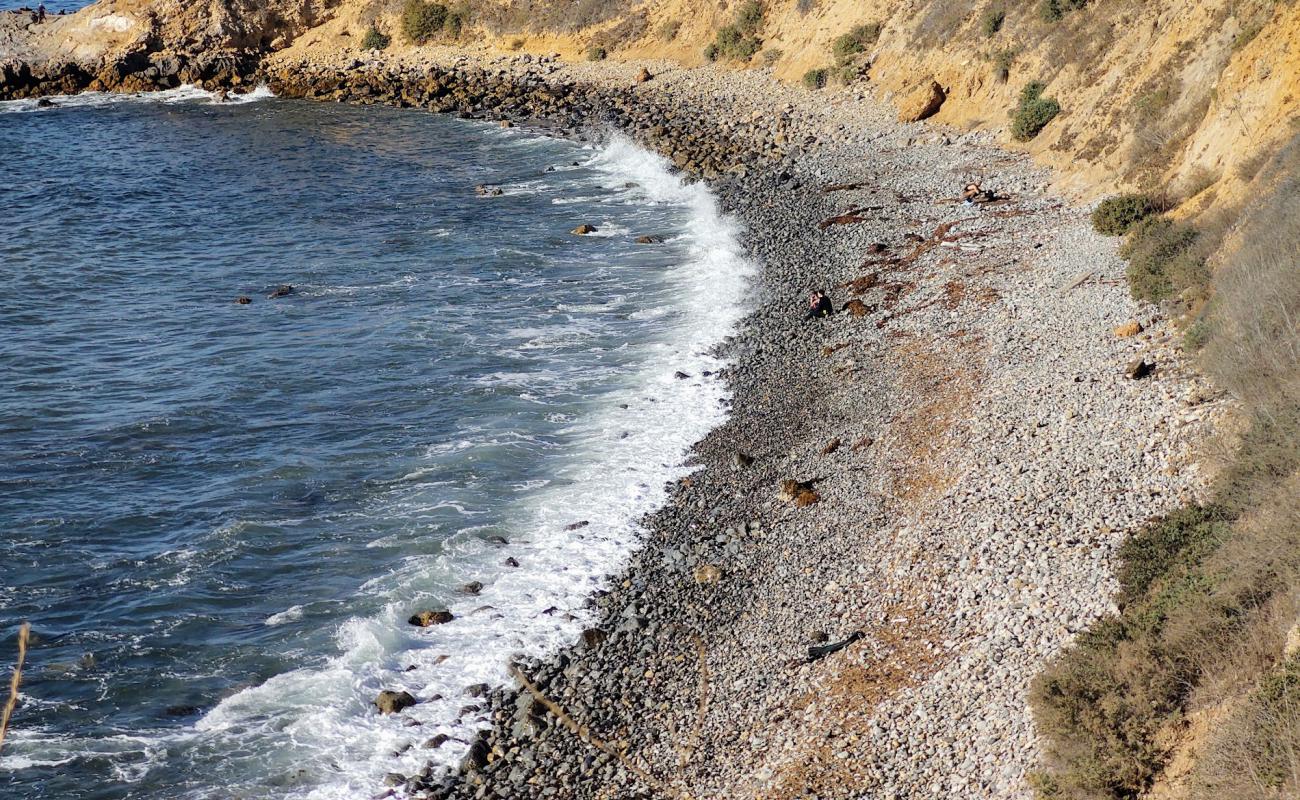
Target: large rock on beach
(922, 103)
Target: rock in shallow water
(390, 702)
(424, 619)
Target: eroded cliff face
(1170, 95)
(141, 45)
(1175, 96)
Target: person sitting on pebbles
(819, 305)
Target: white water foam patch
(185, 93)
(622, 455)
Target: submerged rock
(283, 290)
(583, 230)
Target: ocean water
(218, 517)
(51, 6)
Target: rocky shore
(914, 503)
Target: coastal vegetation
(739, 40)
(1114, 216)
(991, 22)
(375, 40)
(815, 78)
(1162, 259)
(1209, 595)
(423, 21)
(1055, 10)
(847, 46)
(1033, 113)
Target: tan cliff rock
(1168, 95)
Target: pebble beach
(913, 505)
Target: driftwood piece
(820, 651)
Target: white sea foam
(291, 614)
(181, 94)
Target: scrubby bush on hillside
(374, 40)
(1115, 215)
(1209, 598)
(423, 21)
(1033, 113)
(739, 41)
(815, 78)
(1002, 61)
(992, 21)
(597, 53)
(856, 41)
(1055, 10)
(1161, 260)
(1103, 702)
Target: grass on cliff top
(1208, 594)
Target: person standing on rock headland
(819, 305)
(40, 13)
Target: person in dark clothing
(40, 13)
(819, 305)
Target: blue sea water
(217, 517)
(51, 6)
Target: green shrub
(1055, 10)
(1103, 702)
(749, 18)
(421, 21)
(1115, 215)
(669, 30)
(597, 53)
(856, 41)
(846, 73)
(815, 78)
(992, 21)
(1184, 536)
(738, 41)
(1161, 261)
(1002, 61)
(455, 24)
(374, 40)
(1033, 113)
(1197, 335)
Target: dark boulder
(425, 619)
(390, 702)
